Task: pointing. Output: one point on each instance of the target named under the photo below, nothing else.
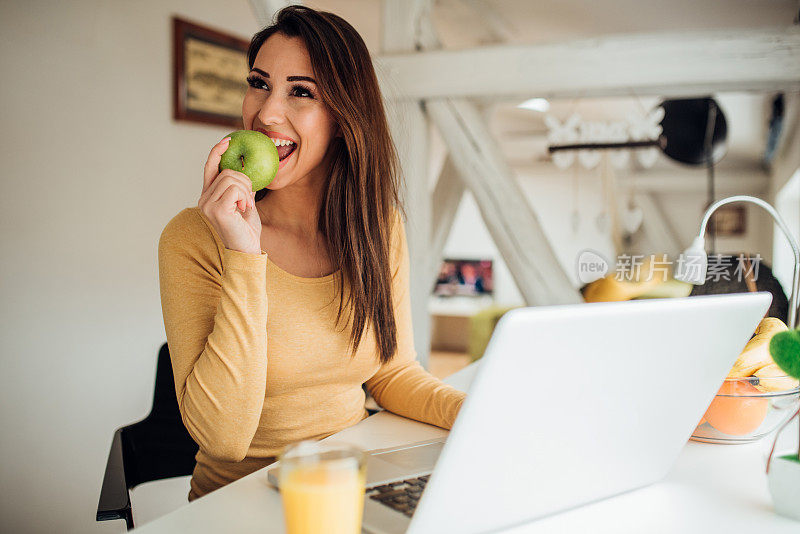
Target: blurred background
(96, 163)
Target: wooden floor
(444, 364)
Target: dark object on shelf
(685, 125)
(155, 448)
(775, 128)
(763, 280)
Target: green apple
(253, 154)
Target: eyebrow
(288, 78)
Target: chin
(281, 180)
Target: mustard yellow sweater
(259, 362)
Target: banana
(773, 378)
(756, 353)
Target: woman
(280, 305)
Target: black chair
(155, 448)
(731, 281)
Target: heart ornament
(632, 218)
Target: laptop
(569, 405)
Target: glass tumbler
(322, 487)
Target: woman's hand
(228, 201)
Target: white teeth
(281, 142)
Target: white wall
(93, 168)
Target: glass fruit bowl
(747, 409)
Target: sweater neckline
(302, 279)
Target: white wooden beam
(509, 218)
(686, 63)
(446, 199)
(498, 27)
(400, 32)
(743, 181)
(403, 24)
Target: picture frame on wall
(728, 221)
(209, 74)
(464, 277)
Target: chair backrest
(159, 446)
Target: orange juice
(323, 495)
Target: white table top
(711, 488)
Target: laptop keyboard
(402, 496)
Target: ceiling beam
(671, 64)
(498, 27)
(508, 216)
(741, 180)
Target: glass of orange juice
(322, 487)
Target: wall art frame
(209, 74)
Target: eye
(256, 82)
(299, 90)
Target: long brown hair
(356, 213)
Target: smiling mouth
(284, 146)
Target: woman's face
(283, 101)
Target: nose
(273, 110)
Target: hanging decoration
(643, 129)
(588, 138)
(566, 133)
(632, 217)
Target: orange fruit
(736, 416)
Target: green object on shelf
(481, 326)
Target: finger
(242, 179)
(233, 195)
(240, 199)
(228, 176)
(219, 186)
(238, 176)
(212, 163)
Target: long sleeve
(214, 304)
(402, 386)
